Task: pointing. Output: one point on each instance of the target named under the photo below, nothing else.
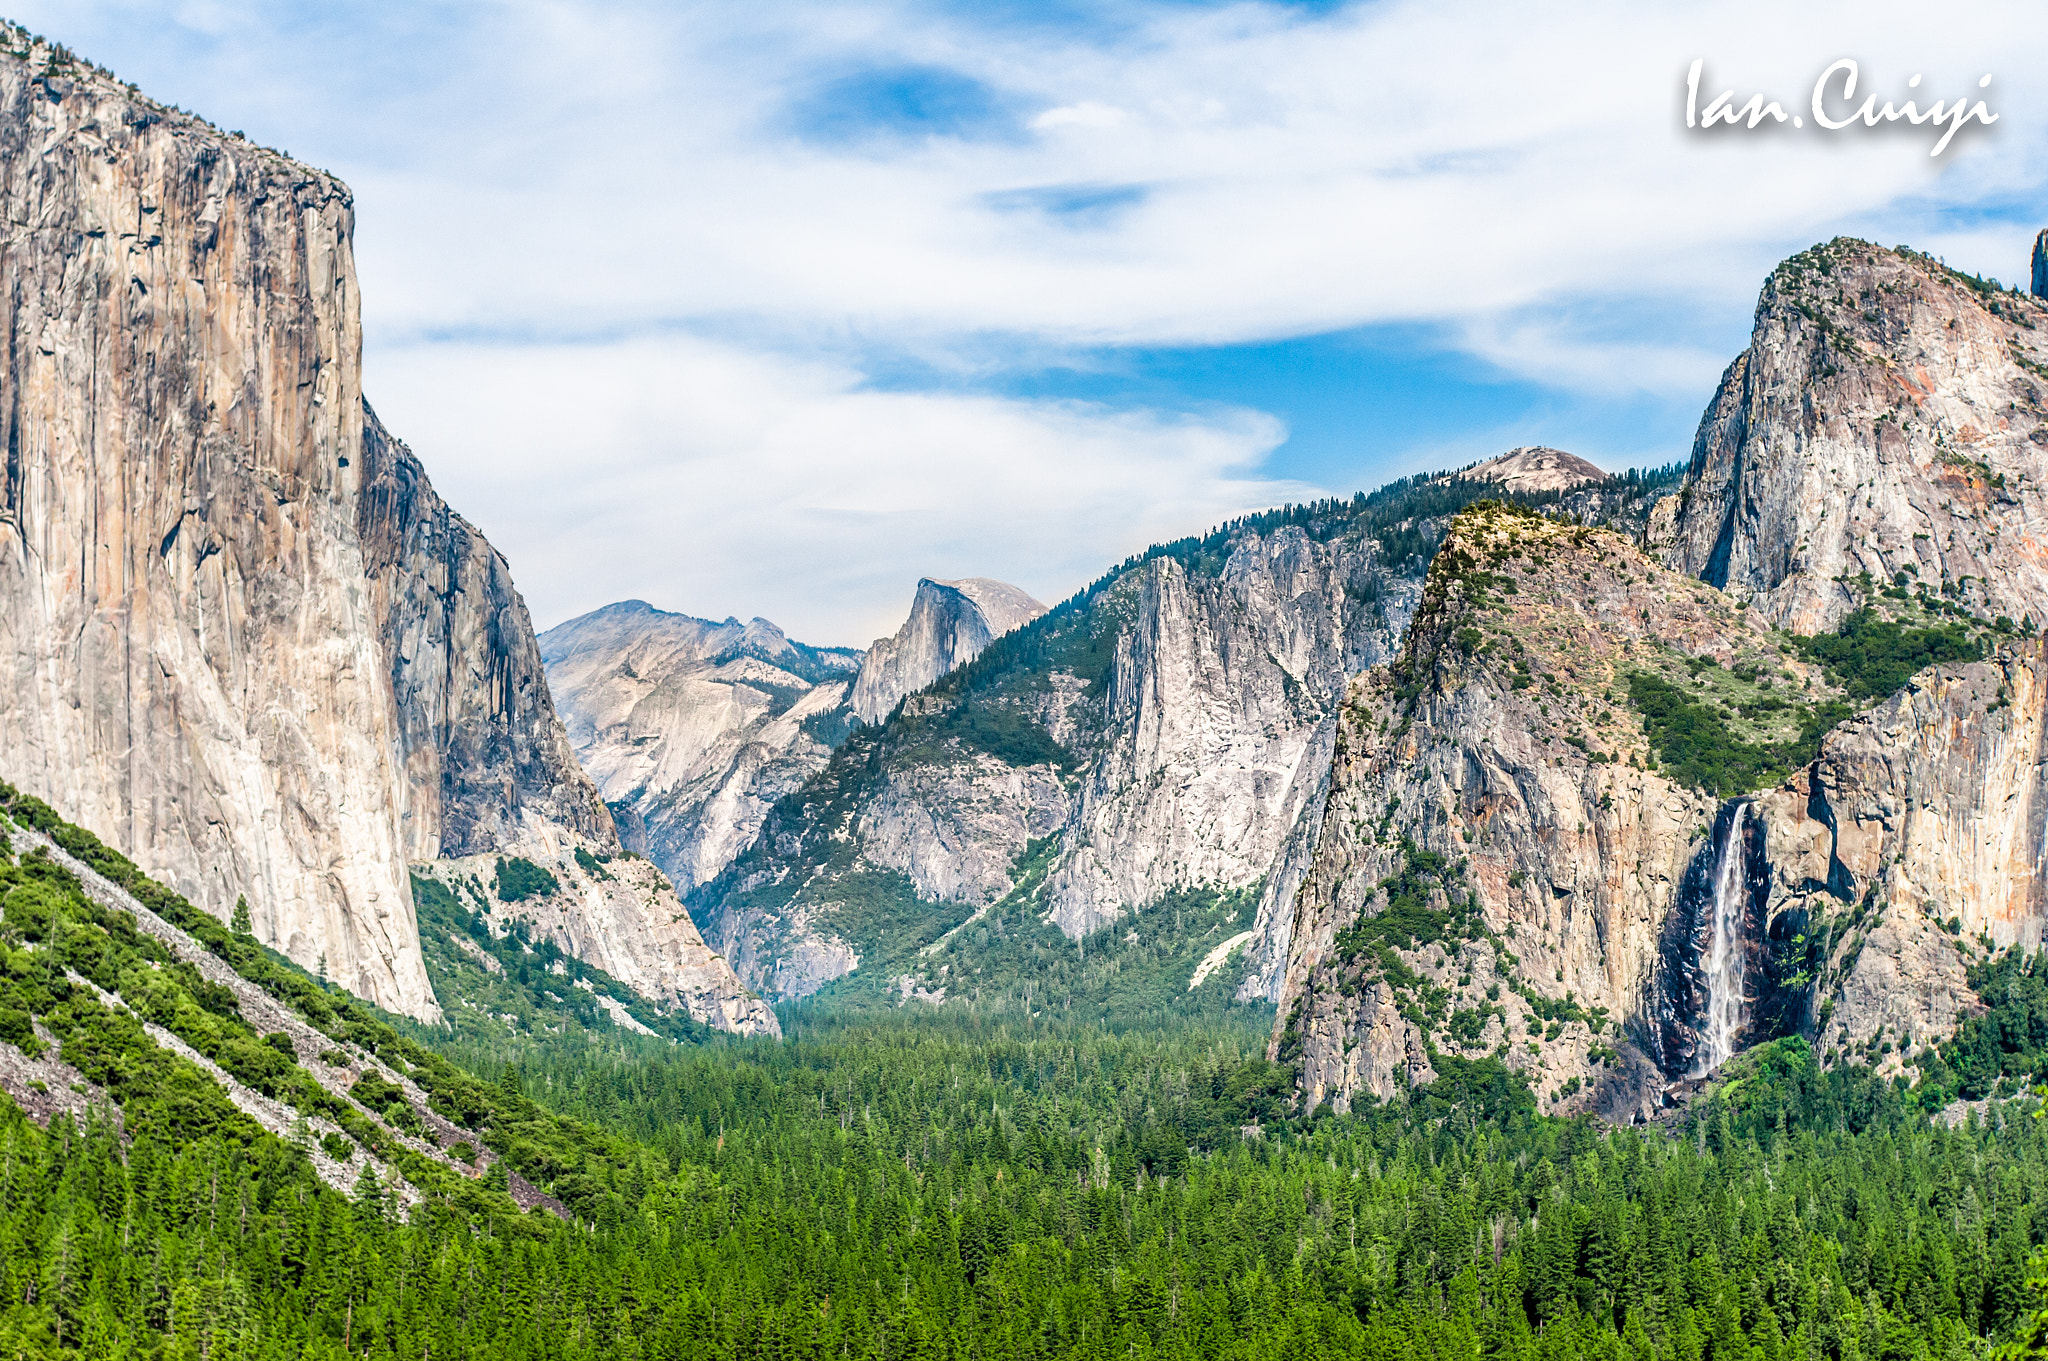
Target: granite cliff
(1148, 756)
(1500, 852)
(692, 729)
(1604, 824)
(242, 636)
(950, 623)
(1889, 418)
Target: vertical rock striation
(241, 636)
(487, 762)
(1916, 840)
(950, 623)
(1166, 733)
(192, 664)
(1890, 417)
(1493, 791)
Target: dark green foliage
(1426, 902)
(1481, 1089)
(2005, 1047)
(830, 728)
(593, 865)
(1009, 962)
(1872, 658)
(1000, 728)
(1697, 747)
(520, 879)
(154, 1087)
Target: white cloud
(710, 479)
(1517, 177)
(1086, 114)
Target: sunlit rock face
(1502, 742)
(1890, 416)
(950, 623)
(693, 729)
(1915, 843)
(242, 637)
(1535, 468)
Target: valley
(1522, 910)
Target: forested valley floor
(936, 1184)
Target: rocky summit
(1888, 421)
(950, 623)
(1613, 816)
(1533, 468)
(692, 729)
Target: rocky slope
(1500, 854)
(241, 634)
(121, 1000)
(1166, 732)
(1604, 824)
(1888, 418)
(950, 623)
(618, 913)
(692, 729)
(1535, 468)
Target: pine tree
(240, 924)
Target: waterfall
(1727, 1006)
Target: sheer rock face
(1888, 417)
(1930, 812)
(242, 637)
(487, 763)
(1574, 852)
(1192, 758)
(1218, 714)
(695, 728)
(950, 623)
(192, 663)
(621, 915)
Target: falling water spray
(1727, 1005)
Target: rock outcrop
(1499, 855)
(1167, 728)
(242, 637)
(693, 729)
(950, 623)
(487, 763)
(1535, 468)
(1890, 417)
(1917, 841)
(621, 914)
(2040, 289)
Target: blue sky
(770, 308)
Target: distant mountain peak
(1535, 467)
(950, 623)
